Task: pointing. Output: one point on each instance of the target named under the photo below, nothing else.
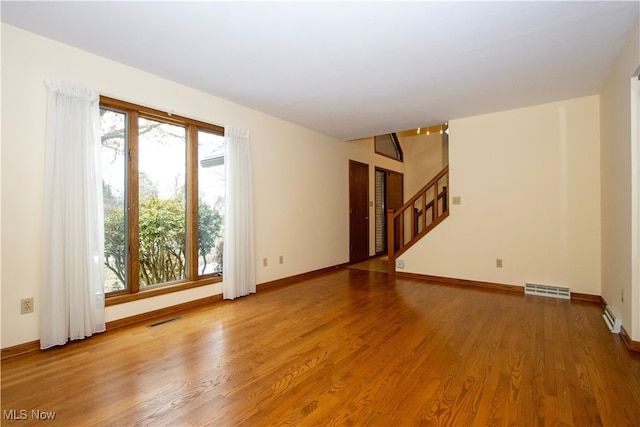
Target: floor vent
(612, 322)
(547, 291)
(153, 325)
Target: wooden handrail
(396, 244)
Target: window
(388, 145)
(163, 188)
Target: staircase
(419, 215)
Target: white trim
(634, 301)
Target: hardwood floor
(349, 348)
(379, 264)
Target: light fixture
(440, 129)
(427, 131)
(418, 131)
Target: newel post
(391, 241)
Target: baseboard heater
(547, 291)
(613, 323)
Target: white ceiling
(353, 69)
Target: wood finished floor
(350, 348)
(379, 264)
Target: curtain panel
(238, 258)
(72, 292)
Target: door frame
(386, 173)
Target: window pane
(211, 192)
(113, 131)
(388, 145)
(161, 193)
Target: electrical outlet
(26, 305)
(498, 263)
(281, 259)
(264, 262)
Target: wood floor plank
(353, 347)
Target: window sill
(159, 290)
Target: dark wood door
(395, 200)
(395, 189)
(358, 212)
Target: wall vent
(547, 291)
(613, 323)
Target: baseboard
(489, 285)
(34, 346)
(631, 344)
(19, 350)
(169, 311)
(274, 284)
(462, 282)
(603, 303)
(162, 312)
(586, 297)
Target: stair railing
(419, 215)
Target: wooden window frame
(193, 278)
(396, 145)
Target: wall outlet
(281, 259)
(400, 264)
(456, 200)
(264, 262)
(26, 305)
(498, 263)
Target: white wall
(424, 158)
(529, 182)
(300, 176)
(617, 175)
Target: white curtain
(239, 272)
(72, 293)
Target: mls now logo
(23, 414)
